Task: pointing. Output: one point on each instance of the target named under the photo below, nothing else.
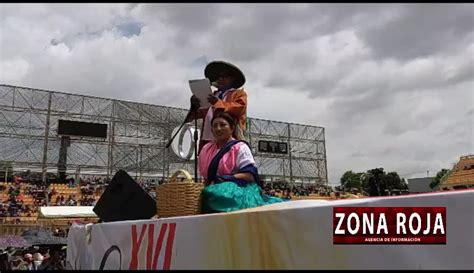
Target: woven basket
(176, 198)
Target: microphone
(214, 83)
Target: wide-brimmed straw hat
(215, 68)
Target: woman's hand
(244, 176)
(195, 103)
(212, 99)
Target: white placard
(201, 88)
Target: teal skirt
(228, 196)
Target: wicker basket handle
(174, 177)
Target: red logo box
(389, 225)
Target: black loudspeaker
(124, 200)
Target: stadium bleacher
(462, 174)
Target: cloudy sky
(392, 84)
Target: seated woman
(228, 167)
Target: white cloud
(387, 90)
(14, 70)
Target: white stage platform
(290, 235)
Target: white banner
(290, 235)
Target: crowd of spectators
(91, 188)
(287, 191)
(33, 258)
(14, 205)
(62, 201)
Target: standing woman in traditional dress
(230, 97)
(229, 171)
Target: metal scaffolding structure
(136, 138)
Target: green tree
(351, 180)
(376, 182)
(365, 183)
(437, 179)
(393, 181)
